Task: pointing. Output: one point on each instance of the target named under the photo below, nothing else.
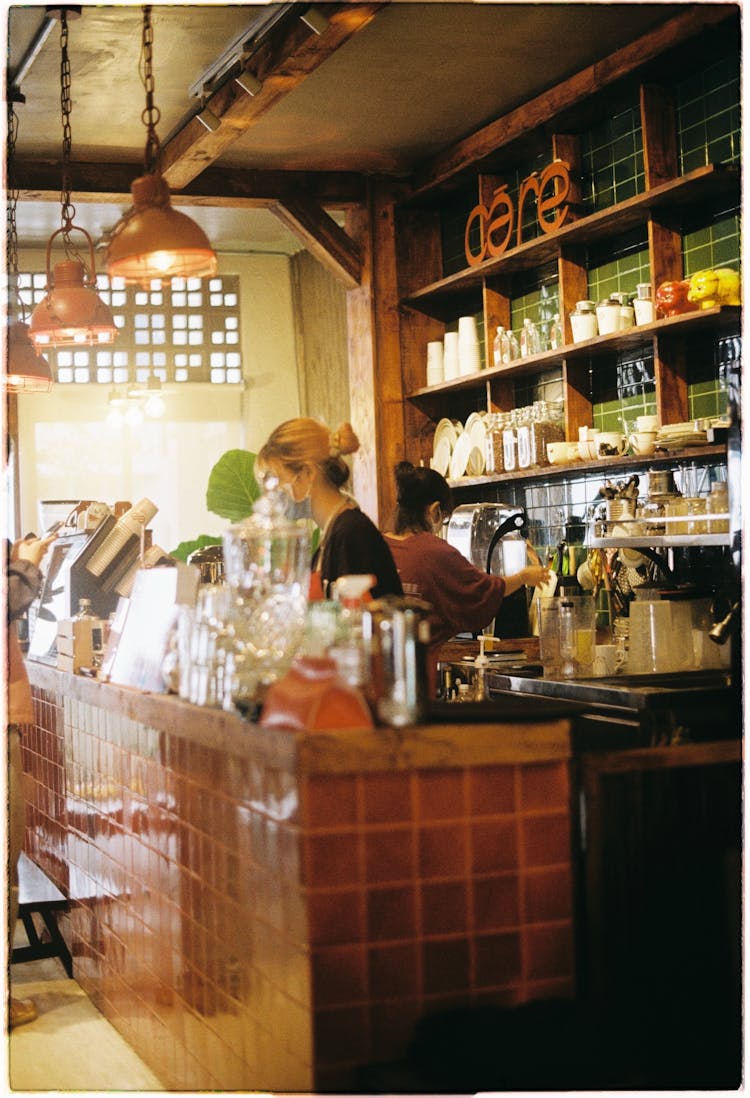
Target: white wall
(67, 450)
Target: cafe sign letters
(550, 188)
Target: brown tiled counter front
(260, 909)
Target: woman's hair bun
(344, 440)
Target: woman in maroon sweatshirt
(463, 598)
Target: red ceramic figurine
(672, 298)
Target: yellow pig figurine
(715, 287)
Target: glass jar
(718, 504)
(523, 438)
(650, 511)
(510, 461)
(546, 426)
(697, 505)
(583, 322)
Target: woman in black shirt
(306, 457)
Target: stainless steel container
(399, 633)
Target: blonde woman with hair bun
(307, 459)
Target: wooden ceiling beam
(323, 238)
(280, 63)
(39, 181)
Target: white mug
(643, 442)
(610, 444)
(607, 660)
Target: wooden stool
(37, 894)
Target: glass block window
(612, 160)
(708, 115)
(178, 331)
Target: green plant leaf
(185, 548)
(232, 487)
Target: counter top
(541, 733)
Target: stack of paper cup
(450, 356)
(435, 362)
(469, 361)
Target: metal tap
(720, 632)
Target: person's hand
(32, 548)
(535, 575)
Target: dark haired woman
(306, 457)
(463, 598)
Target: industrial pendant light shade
(153, 240)
(71, 313)
(26, 371)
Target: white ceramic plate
(460, 456)
(475, 462)
(446, 428)
(477, 433)
(441, 456)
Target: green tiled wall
(612, 160)
(708, 115)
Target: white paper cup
(435, 371)
(450, 356)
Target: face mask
(299, 509)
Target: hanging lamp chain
(68, 209)
(151, 113)
(11, 228)
(11, 234)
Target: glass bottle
(497, 346)
(556, 337)
(530, 342)
(514, 348)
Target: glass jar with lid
(546, 426)
(510, 460)
(494, 427)
(523, 438)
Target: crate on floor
(37, 895)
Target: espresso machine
(492, 536)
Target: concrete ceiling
(404, 82)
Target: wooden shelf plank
(722, 318)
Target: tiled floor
(70, 1045)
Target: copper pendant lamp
(24, 369)
(71, 313)
(152, 240)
